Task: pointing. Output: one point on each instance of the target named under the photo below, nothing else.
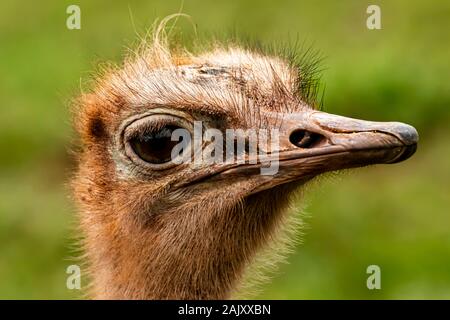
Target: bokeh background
(396, 216)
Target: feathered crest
(268, 72)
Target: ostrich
(155, 229)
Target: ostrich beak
(315, 142)
(359, 135)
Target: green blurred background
(394, 216)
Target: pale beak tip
(407, 134)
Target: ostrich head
(158, 228)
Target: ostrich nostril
(306, 139)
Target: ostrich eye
(155, 146)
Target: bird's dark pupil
(155, 147)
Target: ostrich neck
(199, 255)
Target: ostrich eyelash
(151, 127)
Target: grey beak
(406, 134)
(309, 134)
